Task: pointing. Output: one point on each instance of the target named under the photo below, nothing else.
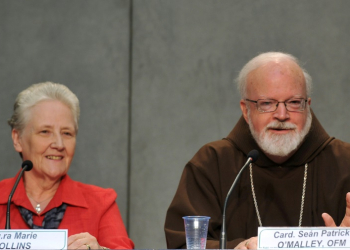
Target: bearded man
(302, 175)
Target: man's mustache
(280, 125)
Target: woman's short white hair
(261, 60)
(41, 92)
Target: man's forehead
(277, 77)
(279, 67)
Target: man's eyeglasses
(270, 105)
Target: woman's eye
(68, 134)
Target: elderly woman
(44, 130)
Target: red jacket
(90, 209)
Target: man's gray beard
(280, 145)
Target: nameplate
(33, 239)
(304, 237)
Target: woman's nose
(57, 142)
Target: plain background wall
(155, 82)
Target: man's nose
(281, 112)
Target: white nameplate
(304, 237)
(34, 239)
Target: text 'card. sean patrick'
(303, 237)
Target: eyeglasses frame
(261, 111)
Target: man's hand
(248, 244)
(328, 220)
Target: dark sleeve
(199, 193)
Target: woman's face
(48, 139)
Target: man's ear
(16, 140)
(244, 109)
(309, 101)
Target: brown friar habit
(208, 176)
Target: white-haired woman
(44, 129)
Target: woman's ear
(16, 140)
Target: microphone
(252, 157)
(26, 166)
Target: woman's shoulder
(7, 184)
(6, 187)
(90, 191)
(7, 181)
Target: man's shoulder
(339, 144)
(335, 155)
(337, 152)
(339, 147)
(220, 145)
(214, 151)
